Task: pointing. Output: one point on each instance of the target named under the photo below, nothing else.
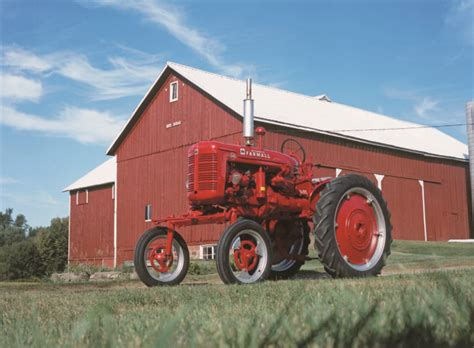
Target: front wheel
(151, 263)
(244, 253)
(352, 227)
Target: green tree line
(27, 252)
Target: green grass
(427, 309)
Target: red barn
(422, 172)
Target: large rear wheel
(244, 253)
(151, 263)
(352, 227)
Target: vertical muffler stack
(248, 115)
(470, 143)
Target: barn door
(405, 202)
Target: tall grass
(434, 309)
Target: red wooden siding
(405, 204)
(152, 162)
(92, 227)
(151, 168)
(200, 119)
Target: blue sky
(73, 71)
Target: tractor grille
(206, 176)
(191, 173)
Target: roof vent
(323, 97)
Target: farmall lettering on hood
(254, 153)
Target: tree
(41, 251)
(20, 260)
(6, 218)
(52, 243)
(20, 222)
(12, 231)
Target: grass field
(422, 309)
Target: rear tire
(286, 268)
(146, 272)
(352, 227)
(247, 243)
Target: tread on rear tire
(325, 227)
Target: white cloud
(19, 88)
(6, 180)
(460, 18)
(422, 105)
(173, 20)
(425, 106)
(19, 59)
(83, 125)
(124, 77)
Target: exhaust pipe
(248, 115)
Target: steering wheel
(293, 148)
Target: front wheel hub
(245, 257)
(159, 260)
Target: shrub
(52, 243)
(20, 260)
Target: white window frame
(77, 196)
(211, 255)
(148, 213)
(172, 84)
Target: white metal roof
(103, 174)
(316, 113)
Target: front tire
(352, 227)
(244, 253)
(154, 241)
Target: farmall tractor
(270, 201)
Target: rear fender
(316, 193)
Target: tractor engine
(259, 183)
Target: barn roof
(317, 114)
(101, 175)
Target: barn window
(82, 197)
(173, 91)
(148, 212)
(207, 252)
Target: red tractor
(269, 200)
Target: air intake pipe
(470, 143)
(248, 115)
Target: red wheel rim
(158, 259)
(245, 257)
(356, 229)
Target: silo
(470, 142)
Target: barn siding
(151, 169)
(152, 162)
(92, 227)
